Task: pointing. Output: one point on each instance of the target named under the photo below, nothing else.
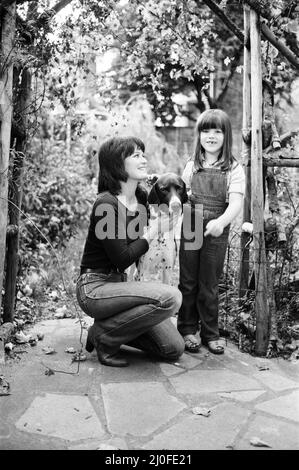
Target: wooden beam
(260, 261)
(283, 139)
(246, 123)
(7, 23)
(281, 162)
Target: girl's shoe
(214, 346)
(191, 343)
(104, 357)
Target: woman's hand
(214, 227)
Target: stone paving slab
(278, 434)
(205, 381)
(34, 380)
(286, 406)
(19, 440)
(188, 361)
(170, 369)
(216, 432)
(5, 429)
(275, 382)
(69, 417)
(134, 411)
(242, 396)
(141, 369)
(138, 408)
(95, 444)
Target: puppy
(167, 195)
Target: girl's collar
(217, 162)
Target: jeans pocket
(88, 283)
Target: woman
(132, 313)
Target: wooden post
(246, 124)
(15, 193)
(7, 23)
(260, 262)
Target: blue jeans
(200, 271)
(132, 313)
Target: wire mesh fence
(237, 306)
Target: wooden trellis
(255, 161)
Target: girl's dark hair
(214, 119)
(112, 154)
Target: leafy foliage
(56, 201)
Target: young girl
(132, 313)
(217, 182)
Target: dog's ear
(153, 197)
(184, 195)
(141, 194)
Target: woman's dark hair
(112, 154)
(214, 119)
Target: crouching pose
(125, 313)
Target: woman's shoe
(104, 357)
(214, 346)
(191, 343)
(111, 360)
(89, 342)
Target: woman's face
(136, 165)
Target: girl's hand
(214, 228)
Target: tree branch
(6, 3)
(48, 14)
(280, 46)
(60, 5)
(220, 13)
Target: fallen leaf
(21, 338)
(263, 367)
(79, 357)
(294, 356)
(4, 386)
(61, 312)
(257, 442)
(107, 447)
(49, 372)
(198, 410)
(48, 350)
(70, 350)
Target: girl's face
(136, 165)
(212, 140)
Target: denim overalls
(201, 269)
